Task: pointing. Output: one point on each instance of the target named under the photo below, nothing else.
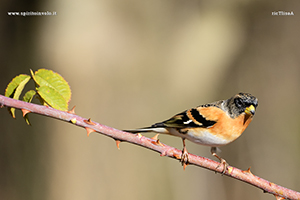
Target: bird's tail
(148, 129)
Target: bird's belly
(206, 138)
(202, 137)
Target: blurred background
(133, 63)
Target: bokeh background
(133, 63)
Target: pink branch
(153, 144)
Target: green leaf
(16, 83)
(44, 77)
(53, 98)
(27, 119)
(15, 88)
(29, 96)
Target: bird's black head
(242, 102)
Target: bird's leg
(184, 155)
(223, 162)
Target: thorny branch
(150, 143)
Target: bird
(214, 124)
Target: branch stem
(152, 144)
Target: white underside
(203, 137)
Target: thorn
(248, 171)
(25, 112)
(139, 135)
(1, 106)
(89, 122)
(279, 198)
(89, 131)
(155, 137)
(72, 111)
(177, 156)
(74, 120)
(184, 165)
(157, 142)
(118, 144)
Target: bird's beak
(250, 110)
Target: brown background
(133, 63)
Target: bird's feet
(184, 156)
(222, 161)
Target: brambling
(213, 124)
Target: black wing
(188, 119)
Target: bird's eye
(238, 102)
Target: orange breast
(226, 127)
